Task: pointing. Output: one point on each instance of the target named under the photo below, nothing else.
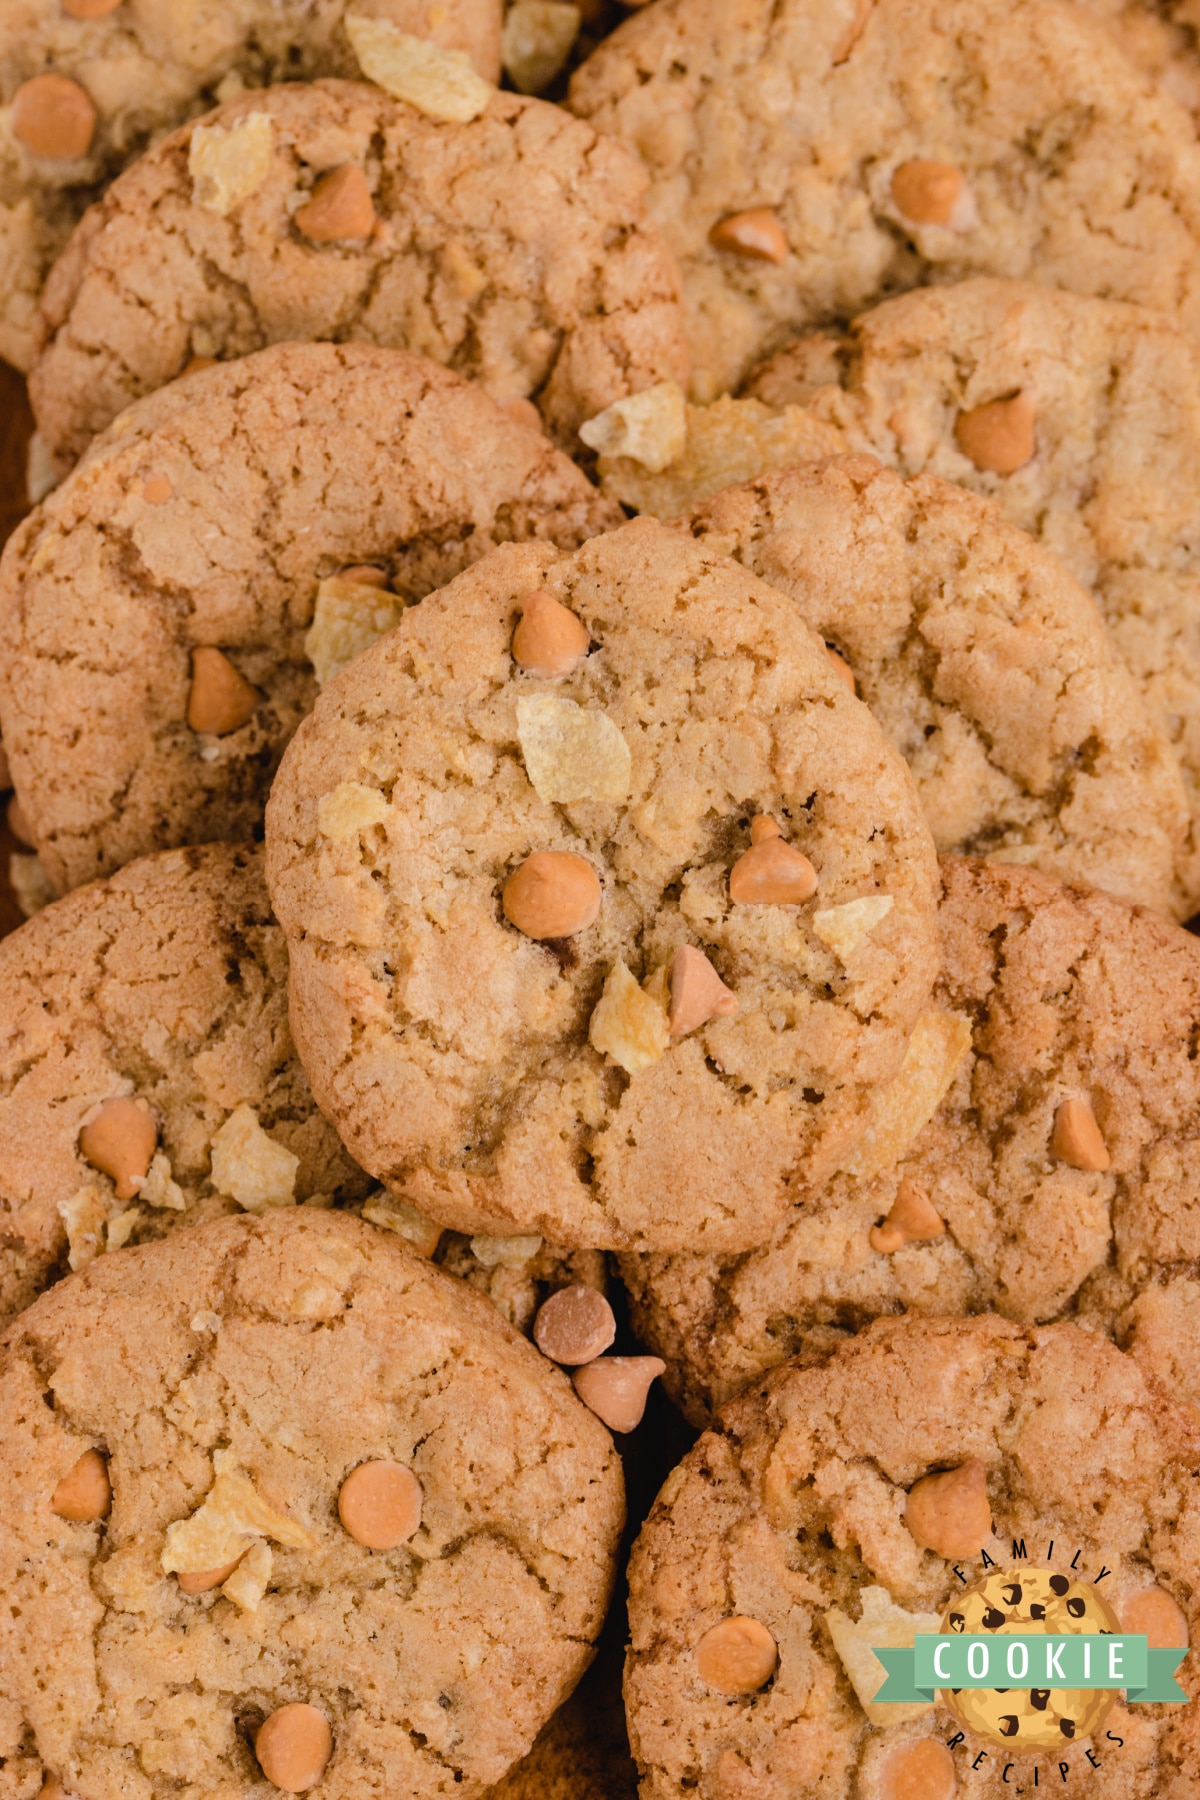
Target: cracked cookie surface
(1072, 996)
(502, 1082)
(987, 665)
(209, 516)
(889, 146)
(515, 248)
(792, 1511)
(284, 1353)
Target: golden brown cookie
(167, 614)
(562, 863)
(421, 1516)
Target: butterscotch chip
(549, 639)
(1153, 1611)
(53, 117)
(52, 1788)
(84, 1494)
(922, 1770)
(1000, 436)
(913, 1219)
(756, 234)
(697, 992)
(379, 1503)
(341, 207)
(293, 1746)
(927, 192)
(1077, 1138)
(576, 1325)
(554, 894)
(950, 1514)
(120, 1141)
(842, 669)
(738, 1656)
(616, 1388)
(202, 1581)
(772, 873)
(220, 699)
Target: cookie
(514, 247)
(583, 1753)
(1160, 37)
(856, 1502)
(422, 1517)
(86, 85)
(986, 664)
(1079, 417)
(147, 1075)
(1053, 1174)
(167, 613)
(560, 862)
(807, 159)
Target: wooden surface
(15, 428)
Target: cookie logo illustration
(1030, 1602)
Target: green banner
(1030, 1660)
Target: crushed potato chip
(383, 1209)
(570, 753)
(440, 83)
(629, 1025)
(206, 1321)
(649, 428)
(30, 884)
(886, 1624)
(538, 38)
(118, 1231)
(228, 163)
(348, 809)
(843, 928)
(226, 1523)
(159, 1189)
(728, 442)
(251, 1167)
(504, 1252)
(1015, 853)
(85, 1216)
(248, 1583)
(905, 1106)
(348, 617)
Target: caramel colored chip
(628, 1024)
(1077, 1139)
(157, 490)
(772, 873)
(84, 1494)
(913, 1219)
(440, 83)
(616, 1388)
(341, 207)
(922, 1770)
(549, 639)
(998, 437)
(950, 1514)
(927, 192)
(53, 117)
(204, 1580)
(1152, 1611)
(939, 1042)
(379, 1503)
(738, 1656)
(553, 894)
(697, 992)
(293, 1746)
(51, 1788)
(523, 411)
(757, 235)
(120, 1141)
(842, 669)
(574, 1326)
(571, 752)
(18, 824)
(221, 699)
(763, 828)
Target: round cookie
(786, 1531)
(166, 985)
(808, 159)
(484, 974)
(109, 78)
(246, 1387)
(514, 247)
(202, 526)
(1073, 998)
(986, 664)
(1105, 402)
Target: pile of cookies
(602, 692)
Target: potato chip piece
(230, 1517)
(228, 163)
(383, 1209)
(629, 1025)
(843, 928)
(905, 1106)
(159, 1188)
(30, 883)
(649, 428)
(85, 1216)
(119, 1230)
(440, 83)
(348, 809)
(538, 38)
(248, 1583)
(570, 753)
(251, 1167)
(504, 1252)
(348, 617)
(884, 1623)
(728, 442)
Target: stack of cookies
(602, 692)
